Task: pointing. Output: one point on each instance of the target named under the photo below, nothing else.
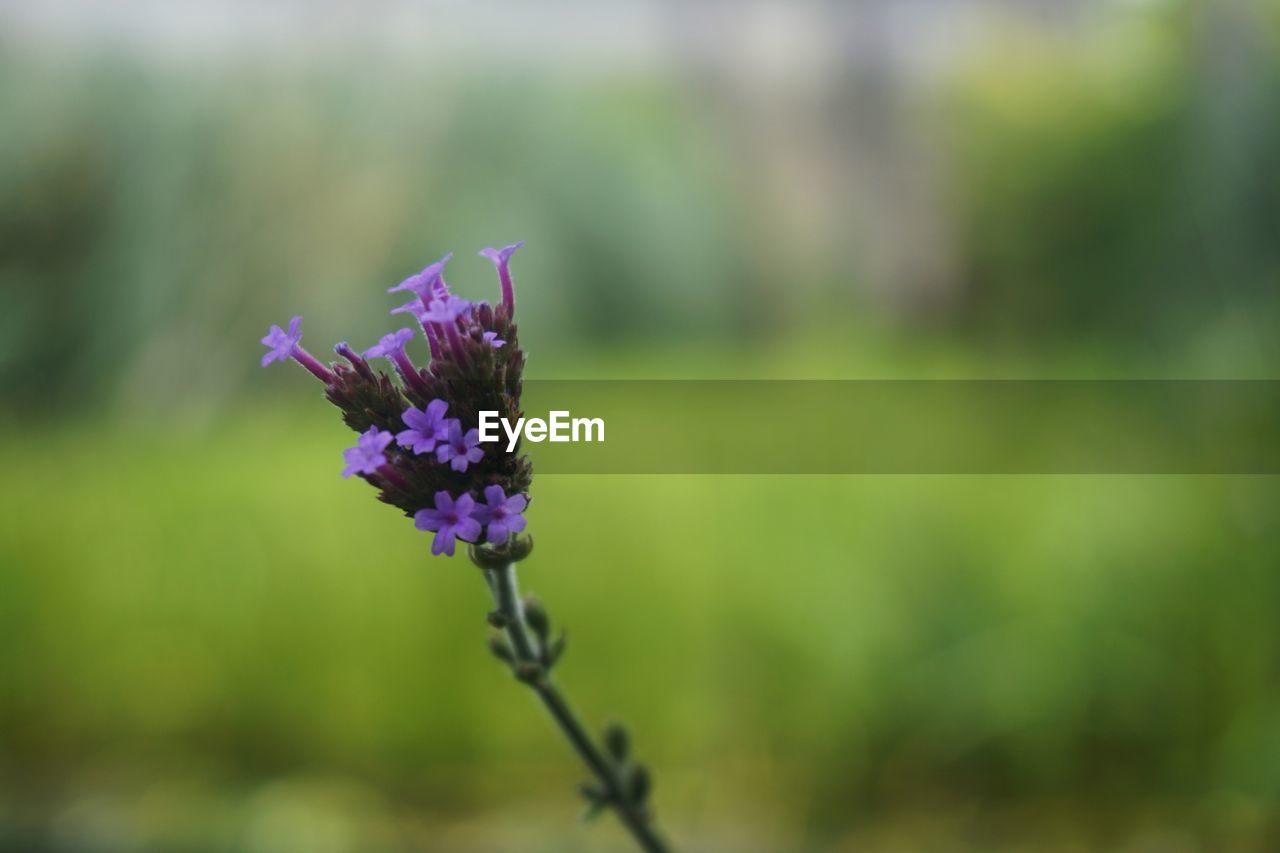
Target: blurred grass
(801, 657)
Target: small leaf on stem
(616, 741)
(555, 650)
(535, 614)
(597, 799)
(500, 649)
(638, 783)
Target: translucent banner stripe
(908, 427)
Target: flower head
(459, 449)
(390, 344)
(425, 428)
(367, 456)
(501, 514)
(430, 280)
(450, 520)
(281, 343)
(409, 447)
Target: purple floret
(285, 344)
(459, 449)
(447, 310)
(501, 259)
(416, 308)
(281, 343)
(425, 428)
(390, 344)
(367, 456)
(502, 514)
(427, 282)
(450, 520)
(445, 313)
(492, 339)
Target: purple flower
(390, 344)
(493, 340)
(282, 343)
(459, 449)
(425, 428)
(427, 282)
(367, 456)
(445, 313)
(392, 347)
(501, 513)
(419, 311)
(501, 258)
(416, 308)
(447, 310)
(450, 520)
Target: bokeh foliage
(208, 641)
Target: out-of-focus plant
(1106, 189)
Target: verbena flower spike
(419, 446)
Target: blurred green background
(210, 642)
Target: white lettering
(535, 430)
(488, 420)
(587, 424)
(559, 427)
(513, 435)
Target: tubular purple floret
(282, 344)
(501, 259)
(455, 342)
(413, 306)
(359, 364)
(434, 288)
(424, 282)
(433, 341)
(409, 372)
(344, 349)
(392, 347)
(418, 308)
(313, 364)
(445, 314)
(440, 290)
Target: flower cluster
(419, 444)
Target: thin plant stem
(506, 595)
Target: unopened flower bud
(535, 615)
(500, 649)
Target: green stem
(506, 596)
